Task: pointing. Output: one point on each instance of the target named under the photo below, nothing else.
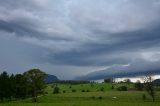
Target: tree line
(74, 82)
(19, 86)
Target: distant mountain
(157, 82)
(51, 78)
(113, 73)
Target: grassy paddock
(94, 97)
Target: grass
(93, 98)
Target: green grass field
(94, 97)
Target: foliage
(112, 86)
(93, 97)
(139, 86)
(35, 79)
(87, 90)
(70, 86)
(73, 82)
(5, 86)
(12, 86)
(128, 81)
(56, 90)
(122, 88)
(73, 90)
(82, 90)
(108, 80)
(144, 97)
(20, 86)
(64, 91)
(102, 89)
(100, 97)
(149, 87)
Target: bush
(56, 90)
(45, 92)
(112, 87)
(144, 97)
(102, 89)
(73, 90)
(139, 86)
(64, 91)
(53, 85)
(87, 90)
(83, 90)
(100, 97)
(92, 85)
(93, 97)
(122, 88)
(70, 86)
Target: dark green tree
(56, 90)
(139, 86)
(35, 79)
(12, 85)
(128, 81)
(20, 86)
(1, 88)
(148, 82)
(4, 86)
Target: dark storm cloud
(82, 35)
(136, 41)
(133, 69)
(18, 29)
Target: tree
(128, 81)
(149, 86)
(12, 85)
(1, 88)
(139, 85)
(35, 79)
(56, 89)
(20, 86)
(4, 86)
(111, 80)
(122, 88)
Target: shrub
(64, 91)
(144, 97)
(46, 92)
(112, 87)
(102, 89)
(53, 85)
(87, 90)
(56, 90)
(139, 86)
(93, 97)
(92, 85)
(122, 88)
(73, 90)
(100, 97)
(83, 90)
(70, 86)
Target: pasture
(89, 95)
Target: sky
(80, 39)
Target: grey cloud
(79, 33)
(106, 54)
(116, 16)
(134, 69)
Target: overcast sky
(89, 38)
